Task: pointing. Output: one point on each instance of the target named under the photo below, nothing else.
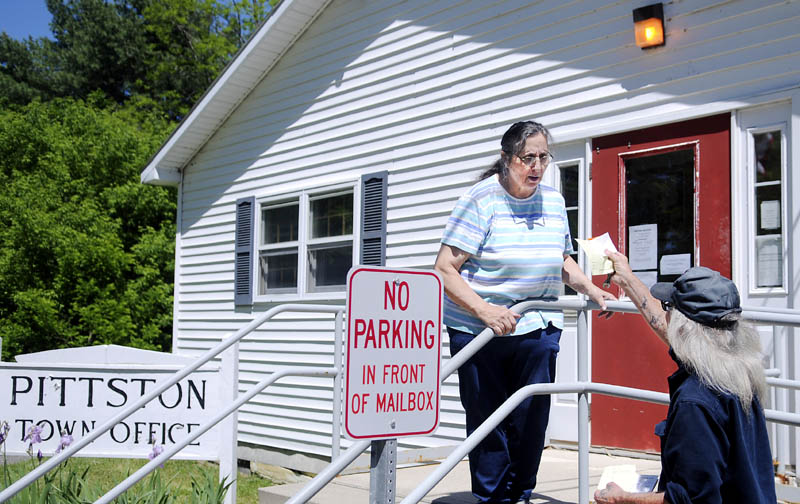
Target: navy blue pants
(504, 465)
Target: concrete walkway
(558, 481)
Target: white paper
(770, 269)
(643, 247)
(625, 476)
(675, 264)
(595, 250)
(649, 278)
(770, 214)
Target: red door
(663, 195)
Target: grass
(105, 473)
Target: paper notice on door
(643, 247)
(595, 250)
(675, 264)
(649, 278)
(770, 214)
(769, 263)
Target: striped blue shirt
(516, 248)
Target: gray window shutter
(373, 218)
(243, 250)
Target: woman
(508, 239)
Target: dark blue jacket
(711, 451)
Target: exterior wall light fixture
(648, 25)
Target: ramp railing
(340, 461)
(583, 388)
(225, 472)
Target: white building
(691, 143)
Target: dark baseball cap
(701, 294)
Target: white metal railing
(549, 388)
(335, 371)
(340, 461)
(583, 388)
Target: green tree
(168, 52)
(86, 251)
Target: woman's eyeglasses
(666, 306)
(530, 159)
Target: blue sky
(20, 18)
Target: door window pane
(659, 189)
(768, 210)
(569, 189)
(768, 156)
(767, 161)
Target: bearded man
(714, 444)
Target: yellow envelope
(595, 250)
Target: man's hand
(499, 318)
(611, 494)
(639, 293)
(614, 494)
(622, 270)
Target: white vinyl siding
(424, 90)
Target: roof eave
(165, 167)
(153, 175)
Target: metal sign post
(394, 332)
(383, 471)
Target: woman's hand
(573, 276)
(500, 319)
(448, 263)
(600, 297)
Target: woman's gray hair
(723, 359)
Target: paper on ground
(595, 250)
(625, 475)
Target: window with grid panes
(306, 243)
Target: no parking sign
(394, 342)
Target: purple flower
(34, 435)
(39, 455)
(157, 450)
(66, 440)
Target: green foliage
(81, 480)
(86, 251)
(208, 488)
(165, 52)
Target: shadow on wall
(379, 84)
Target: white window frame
(303, 197)
(752, 237)
(574, 162)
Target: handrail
(788, 317)
(757, 315)
(784, 383)
(172, 450)
(549, 388)
(50, 464)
